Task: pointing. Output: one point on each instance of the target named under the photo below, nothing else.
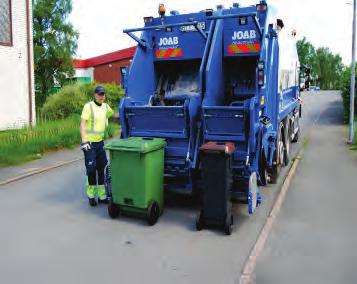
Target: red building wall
(109, 72)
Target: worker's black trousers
(95, 160)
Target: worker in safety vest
(94, 120)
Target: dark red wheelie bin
(217, 178)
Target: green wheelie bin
(137, 169)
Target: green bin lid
(137, 144)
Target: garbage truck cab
(165, 89)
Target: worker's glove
(85, 146)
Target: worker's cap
(99, 90)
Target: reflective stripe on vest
(91, 131)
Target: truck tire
(263, 171)
(297, 136)
(286, 131)
(278, 158)
(263, 167)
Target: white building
(17, 96)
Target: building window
(5, 22)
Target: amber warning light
(162, 10)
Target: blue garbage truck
(222, 75)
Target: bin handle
(148, 138)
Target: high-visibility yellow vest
(96, 120)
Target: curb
(39, 171)
(248, 272)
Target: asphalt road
(49, 234)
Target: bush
(71, 99)
(113, 93)
(63, 104)
(344, 86)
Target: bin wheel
(228, 226)
(199, 221)
(153, 213)
(253, 193)
(113, 210)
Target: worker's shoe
(103, 201)
(92, 202)
(102, 195)
(91, 191)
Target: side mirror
(124, 71)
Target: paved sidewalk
(314, 237)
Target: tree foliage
(326, 67)
(306, 51)
(55, 42)
(329, 68)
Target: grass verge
(22, 145)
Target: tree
(55, 42)
(307, 56)
(325, 65)
(330, 68)
(306, 52)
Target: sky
(100, 23)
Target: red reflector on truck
(169, 53)
(244, 48)
(261, 78)
(261, 7)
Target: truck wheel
(287, 143)
(278, 159)
(113, 210)
(153, 213)
(263, 171)
(275, 170)
(297, 136)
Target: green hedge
(71, 99)
(345, 86)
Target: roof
(105, 58)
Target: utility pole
(353, 68)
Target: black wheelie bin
(217, 182)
